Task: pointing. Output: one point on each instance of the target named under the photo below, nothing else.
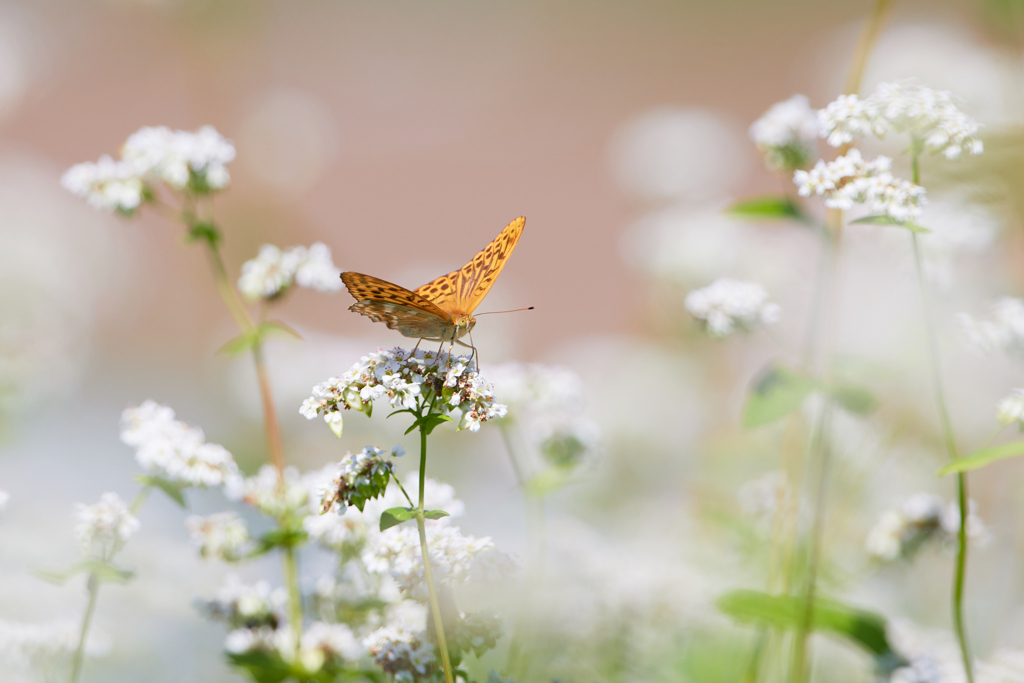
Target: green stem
(959, 624)
(93, 587)
(435, 607)
(291, 579)
(402, 488)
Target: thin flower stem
(435, 607)
(404, 493)
(959, 624)
(291, 579)
(93, 587)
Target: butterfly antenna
(514, 310)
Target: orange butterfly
(441, 310)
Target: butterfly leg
(415, 347)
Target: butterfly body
(441, 310)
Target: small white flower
(931, 118)
(399, 650)
(222, 535)
(851, 180)
(239, 604)
(317, 271)
(727, 305)
(173, 450)
(922, 517)
(1011, 408)
(106, 184)
(787, 133)
(885, 540)
(103, 528)
(273, 271)
(177, 157)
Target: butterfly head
(463, 324)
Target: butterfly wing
(400, 309)
(461, 291)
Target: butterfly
(441, 310)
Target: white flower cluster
(1003, 330)
(921, 517)
(103, 528)
(728, 305)
(321, 643)
(174, 451)
(222, 535)
(935, 657)
(1011, 408)
(849, 180)
(298, 494)
(931, 118)
(401, 652)
(362, 476)
(242, 605)
(548, 403)
(44, 649)
(179, 158)
(401, 379)
(354, 527)
(454, 558)
(273, 271)
(787, 133)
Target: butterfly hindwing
(461, 291)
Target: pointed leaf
(889, 220)
(770, 207)
(854, 399)
(240, 344)
(337, 425)
(434, 514)
(983, 457)
(278, 327)
(395, 516)
(778, 392)
(171, 488)
(866, 629)
(103, 571)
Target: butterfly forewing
(397, 307)
(461, 291)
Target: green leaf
(264, 667)
(103, 571)
(983, 457)
(173, 489)
(428, 422)
(864, 628)
(285, 537)
(395, 516)
(337, 425)
(434, 514)
(889, 220)
(278, 326)
(778, 392)
(243, 342)
(854, 399)
(203, 232)
(769, 207)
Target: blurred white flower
(173, 450)
(931, 118)
(273, 271)
(1011, 408)
(44, 650)
(1003, 330)
(222, 535)
(399, 650)
(728, 305)
(454, 558)
(361, 476)
(103, 528)
(238, 604)
(259, 639)
(106, 184)
(670, 153)
(179, 157)
(922, 517)
(850, 180)
(787, 133)
(763, 497)
(297, 495)
(322, 642)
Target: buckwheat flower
(43, 651)
(932, 119)
(173, 450)
(401, 379)
(454, 558)
(265, 491)
(106, 184)
(362, 476)
(976, 529)
(851, 180)
(885, 540)
(1011, 408)
(270, 273)
(922, 517)
(181, 158)
(222, 535)
(238, 604)
(1003, 330)
(787, 133)
(258, 639)
(401, 652)
(317, 270)
(728, 305)
(477, 632)
(322, 642)
(103, 528)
